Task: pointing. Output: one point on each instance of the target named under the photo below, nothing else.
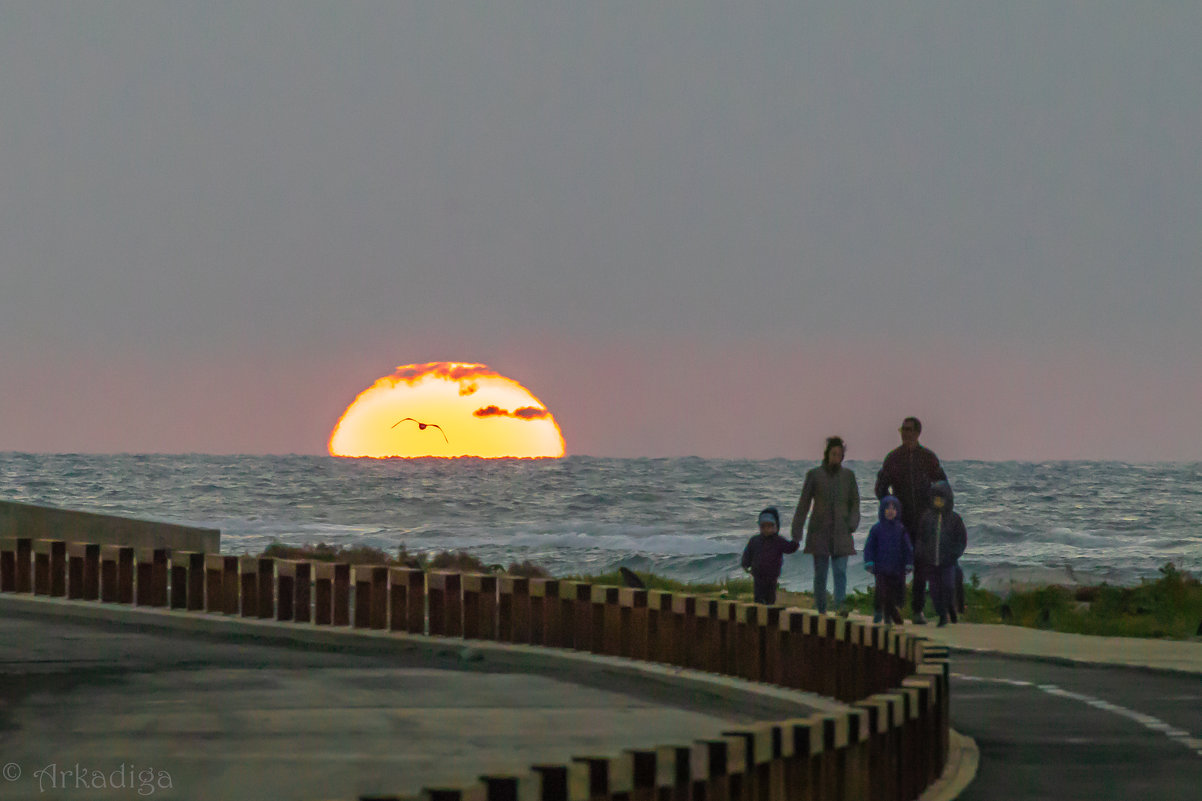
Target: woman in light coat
(832, 492)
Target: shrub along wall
(891, 743)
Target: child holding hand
(765, 553)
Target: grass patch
(1169, 606)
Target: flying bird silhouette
(423, 426)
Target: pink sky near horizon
(661, 398)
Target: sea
(685, 518)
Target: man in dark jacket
(907, 474)
(764, 555)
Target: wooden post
(551, 783)
(912, 770)
(50, 568)
(545, 627)
(248, 568)
(513, 609)
(643, 770)
(673, 772)
(684, 614)
(792, 652)
(803, 740)
(342, 594)
(660, 627)
(231, 585)
(606, 620)
(152, 576)
(769, 634)
(361, 581)
(18, 559)
(582, 615)
(446, 603)
(177, 572)
(857, 766)
(594, 777)
(479, 606)
(728, 637)
(302, 604)
(116, 574)
(633, 624)
(196, 582)
(858, 661)
(285, 571)
(714, 762)
(836, 731)
(8, 564)
(761, 747)
(214, 583)
(407, 587)
(323, 573)
(266, 587)
(83, 569)
(750, 641)
(706, 653)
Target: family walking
(917, 530)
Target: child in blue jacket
(888, 555)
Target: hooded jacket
(942, 538)
(888, 548)
(764, 555)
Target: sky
(689, 228)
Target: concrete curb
(963, 759)
(555, 663)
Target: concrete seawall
(49, 523)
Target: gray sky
(688, 228)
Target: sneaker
(919, 620)
(897, 618)
(876, 617)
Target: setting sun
(446, 409)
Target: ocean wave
(685, 518)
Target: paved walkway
(229, 719)
(1183, 655)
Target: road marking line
(1147, 721)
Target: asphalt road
(1066, 732)
(119, 712)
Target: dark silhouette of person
(907, 473)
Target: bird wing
(403, 419)
(440, 431)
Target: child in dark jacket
(888, 555)
(941, 541)
(764, 554)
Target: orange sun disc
(446, 409)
